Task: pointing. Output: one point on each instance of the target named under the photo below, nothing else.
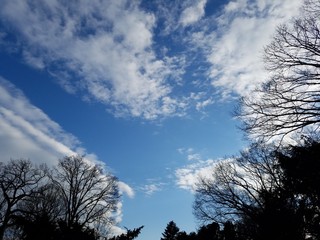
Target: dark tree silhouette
(170, 232)
(280, 218)
(77, 232)
(76, 200)
(88, 195)
(301, 165)
(182, 235)
(229, 231)
(235, 186)
(19, 181)
(40, 214)
(37, 228)
(192, 236)
(290, 101)
(129, 235)
(210, 231)
(256, 191)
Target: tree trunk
(2, 228)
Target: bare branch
(290, 101)
(88, 195)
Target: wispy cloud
(150, 189)
(107, 45)
(243, 29)
(115, 230)
(152, 186)
(187, 176)
(193, 13)
(125, 188)
(109, 51)
(27, 132)
(229, 43)
(190, 153)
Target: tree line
(210, 231)
(75, 200)
(265, 193)
(271, 190)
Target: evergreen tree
(229, 231)
(129, 235)
(171, 231)
(210, 231)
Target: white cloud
(194, 156)
(231, 42)
(201, 105)
(193, 13)
(125, 188)
(185, 150)
(115, 230)
(108, 51)
(107, 45)
(27, 132)
(187, 177)
(33, 61)
(150, 189)
(152, 186)
(234, 48)
(190, 154)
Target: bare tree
(19, 180)
(235, 187)
(40, 215)
(88, 195)
(45, 202)
(290, 101)
(269, 193)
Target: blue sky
(145, 87)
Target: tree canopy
(75, 200)
(289, 101)
(88, 195)
(271, 190)
(269, 194)
(171, 231)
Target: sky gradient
(146, 88)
